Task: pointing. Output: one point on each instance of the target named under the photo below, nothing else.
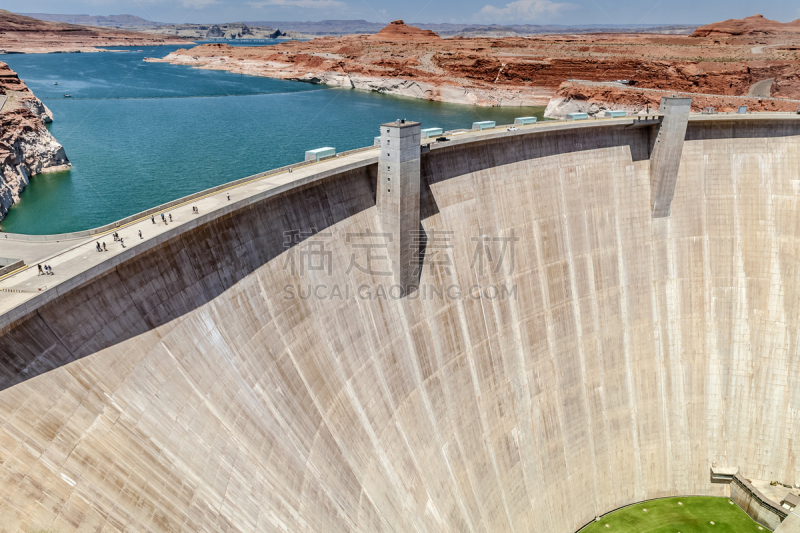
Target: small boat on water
(56, 83)
(67, 96)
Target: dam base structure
(567, 352)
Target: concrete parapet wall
(10, 265)
(181, 389)
(759, 507)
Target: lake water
(141, 134)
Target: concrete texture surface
(776, 493)
(756, 504)
(790, 525)
(398, 199)
(665, 156)
(177, 386)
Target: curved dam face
(195, 386)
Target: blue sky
(471, 11)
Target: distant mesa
(755, 25)
(400, 31)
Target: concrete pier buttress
(175, 385)
(398, 198)
(665, 159)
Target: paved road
(31, 252)
(761, 89)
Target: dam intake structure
(566, 350)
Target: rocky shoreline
(406, 61)
(26, 146)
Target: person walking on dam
(98, 247)
(40, 269)
(140, 234)
(153, 219)
(104, 247)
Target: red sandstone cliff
(518, 71)
(576, 97)
(399, 31)
(755, 25)
(26, 147)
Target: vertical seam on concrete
(626, 339)
(592, 279)
(538, 265)
(575, 307)
(776, 316)
(489, 449)
(548, 318)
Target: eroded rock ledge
(26, 147)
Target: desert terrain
(20, 34)
(753, 61)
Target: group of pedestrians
(118, 238)
(46, 270)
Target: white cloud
(521, 11)
(316, 4)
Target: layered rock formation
(232, 31)
(755, 25)
(595, 99)
(20, 34)
(26, 147)
(515, 71)
(399, 31)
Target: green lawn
(666, 516)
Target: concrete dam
(579, 340)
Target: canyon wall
(185, 389)
(595, 99)
(26, 147)
(407, 61)
(28, 35)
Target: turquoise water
(140, 134)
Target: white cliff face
(398, 86)
(428, 91)
(560, 106)
(26, 147)
(30, 153)
(39, 109)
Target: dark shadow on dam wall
(177, 276)
(193, 269)
(189, 271)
